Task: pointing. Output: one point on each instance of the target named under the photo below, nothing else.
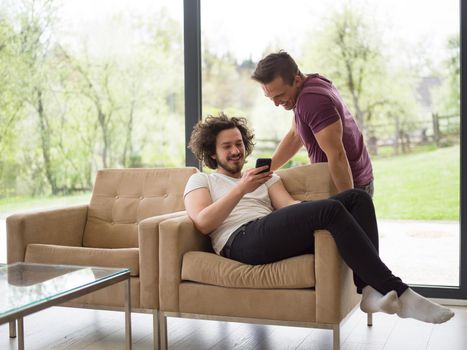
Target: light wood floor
(69, 328)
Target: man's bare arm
(208, 215)
(279, 196)
(287, 148)
(330, 141)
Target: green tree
(78, 110)
(34, 20)
(95, 82)
(10, 102)
(161, 129)
(226, 83)
(348, 49)
(11, 105)
(447, 96)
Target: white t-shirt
(252, 206)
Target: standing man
(322, 122)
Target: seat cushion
(209, 268)
(55, 254)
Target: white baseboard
(450, 302)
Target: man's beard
(231, 169)
(289, 105)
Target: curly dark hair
(274, 65)
(204, 135)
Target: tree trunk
(45, 133)
(359, 115)
(127, 149)
(101, 117)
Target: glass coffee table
(26, 288)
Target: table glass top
(23, 285)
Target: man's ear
(298, 80)
(213, 156)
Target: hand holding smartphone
(262, 162)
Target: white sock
(374, 301)
(415, 306)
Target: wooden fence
(403, 137)
(400, 137)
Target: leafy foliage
(66, 112)
(71, 107)
(349, 50)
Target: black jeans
(348, 216)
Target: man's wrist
(240, 189)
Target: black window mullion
(192, 54)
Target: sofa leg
(163, 331)
(156, 329)
(336, 338)
(369, 319)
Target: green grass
(418, 186)
(421, 185)
(17, 204)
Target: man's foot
(415, 306)
(374, 301)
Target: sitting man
(252, 218)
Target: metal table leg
(20, 334)
(128, 314)
(13, 329)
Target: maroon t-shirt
(318, 105)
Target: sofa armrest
(148, 243)
(64, 226)
(335, 291)
(176, 237)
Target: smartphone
(262, 162)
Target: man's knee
(368, 189)
(354, 196)
(335, 206)
(326, 209)
(359, 194)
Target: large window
(397, 67)
(85, 85)
(93, 84)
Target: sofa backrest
(308, 182)
(123, 197)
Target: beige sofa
(306, 291)
(119, 228)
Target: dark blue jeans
(348, 216)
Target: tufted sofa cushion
(308, 182)
(121, 199)
(208, 268)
